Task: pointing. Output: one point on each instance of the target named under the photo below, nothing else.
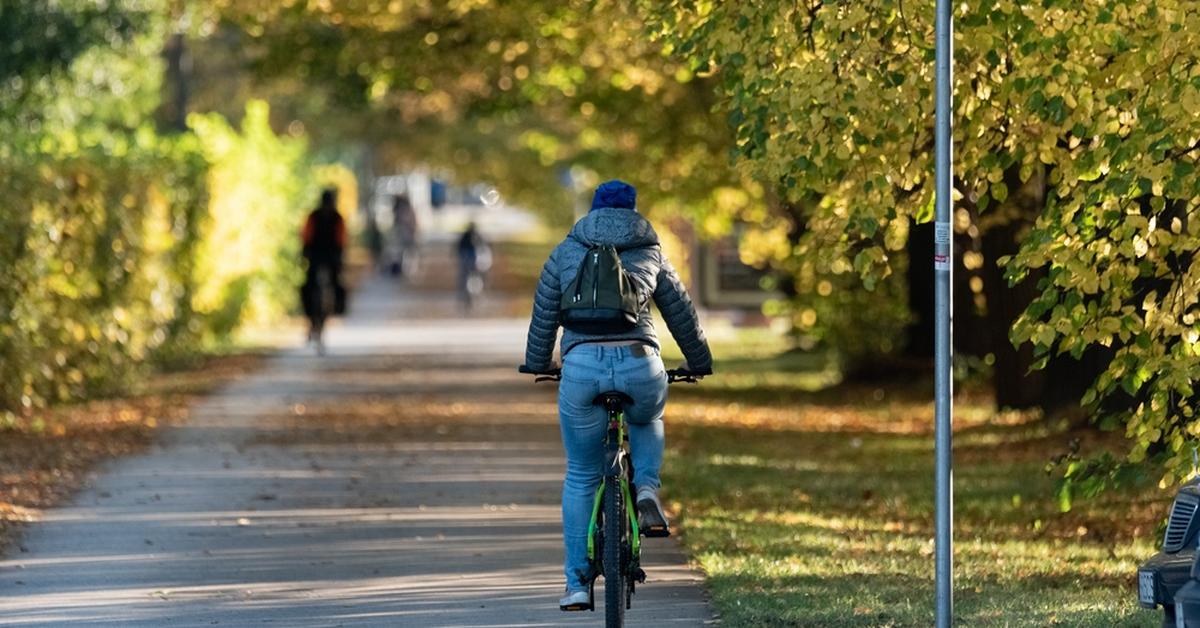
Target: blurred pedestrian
(324, 244)
(404, 237)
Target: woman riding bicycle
(626, 361)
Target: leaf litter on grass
(815, 508)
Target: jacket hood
(621, 227)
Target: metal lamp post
(943, 258)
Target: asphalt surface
(275, 505)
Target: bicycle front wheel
(616, 537)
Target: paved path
(431, 503)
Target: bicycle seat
(613, 400)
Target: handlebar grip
(688, 373)
(528, 371)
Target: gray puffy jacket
(642, 257)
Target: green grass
(810, 503)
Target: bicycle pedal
(639, 576)
(657, 532)
(583, 606)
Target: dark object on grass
(1171, 578)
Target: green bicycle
(614, 538)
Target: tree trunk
(970, 328)
(1014, 385)
(1064, 379)
(179, 66)
(918, 341)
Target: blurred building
(442, 210)
(723, 281)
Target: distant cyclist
(324, 241)
(626, 360)
(474, 260)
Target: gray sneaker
(652, 521)
(576, 601)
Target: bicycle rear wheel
(616, 536)
(323, 306)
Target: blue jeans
(589, 370)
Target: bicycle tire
(328, 294)
(323, 306)
(615, 537)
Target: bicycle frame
(616, 464)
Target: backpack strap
(578, 287)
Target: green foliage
(1119, 234)
(515, 94)
(798, 90)
(830, 106)
(40, 38)
(262, 187)
(1075, 121)
(97, 209)
(107, 230)
(1081, 478)
(93, 268)
(825, 299)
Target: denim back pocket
(577, 390)
(647, 384)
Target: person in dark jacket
(474, 260)
(324, 245)
(404, 238)
(628, 362)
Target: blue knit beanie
(615, 193)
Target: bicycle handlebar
(685, 375)
(553, 375)
(528, 371)
(673, 375)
